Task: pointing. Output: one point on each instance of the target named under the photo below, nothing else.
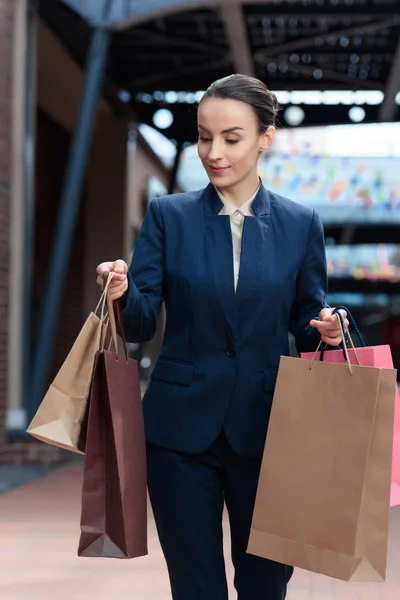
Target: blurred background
(98, 116)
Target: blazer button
(231, 351)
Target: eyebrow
(229, 130)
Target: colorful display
(373, 262)
(343, 190)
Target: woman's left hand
(329, 327)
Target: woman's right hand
(119, 282)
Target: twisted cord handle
(352, 323)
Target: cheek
(244, 156)
(202, 152)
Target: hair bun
(275, 102)
(250, 90)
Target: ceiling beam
(171, 8)
(301, 43)
(167, 9)
(333, 75)
(236, 32)
(155, 38)
(140, 83)
(341, 51)
(388, 108)
(294, 11)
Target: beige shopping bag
(324, 489)
(61, 417)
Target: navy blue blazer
(219, 359)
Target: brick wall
(52, 148)
(6, 14)
(51, 154)
(32, 453)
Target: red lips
(217, 170)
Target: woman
(237, 267)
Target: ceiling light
(163, 118)
(294, 115)
(357, 114)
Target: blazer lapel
(220, 252)
(220, 255)
(254, 245)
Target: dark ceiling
(288, 43)
(291, 45)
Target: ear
(267, 139)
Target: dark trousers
(187, 493)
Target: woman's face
(230, 142)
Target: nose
(215, 152)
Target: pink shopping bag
(375, 356)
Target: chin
(221, 181)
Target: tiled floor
(39, 530)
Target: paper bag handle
(103, 298)
(345, 348)
(114, 307)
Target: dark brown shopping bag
(61, 417)
(114, 501)
(323, 495)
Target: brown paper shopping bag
(114, 494)
(323, 495)
(373, 356)
(61, 417)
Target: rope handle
(352, 323)
(345, 348)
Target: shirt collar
(230, 208)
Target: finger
(116, 290)
(326, 313)
(332, 341)
(324, 326)
(119, 286)
(331, 318)
(102, 279)
(115, 294)
(346, 323)
(103, 268)
(120, 266)
(117, 278)
(108, 274)
(335, 316)
(329, 326)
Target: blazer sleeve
(311, 289)
(145, 277)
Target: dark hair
(250, 90)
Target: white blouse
(237, 215)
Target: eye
(204, 139)
(232, 141)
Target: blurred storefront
(40, 91)
(336, 78)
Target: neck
(241, 191)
